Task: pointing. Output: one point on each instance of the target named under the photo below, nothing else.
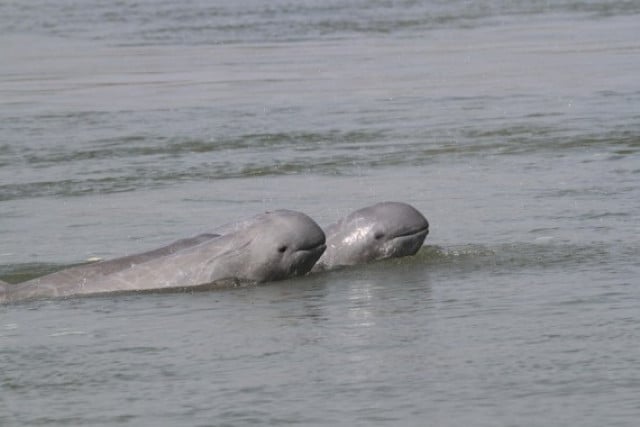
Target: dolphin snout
(307, 258)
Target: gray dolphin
(383, 230)
(271, 246)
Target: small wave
(67, 332)
(233, 22)
(521, 255)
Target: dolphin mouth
(407, 243)
(313, 250)
(308, 257)
(414, 233)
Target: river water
(513, 126)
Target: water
(513, 126)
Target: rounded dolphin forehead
(359, 233)
(292, 224)
(388, 217)
(280, 216)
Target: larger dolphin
(271, 246)
(383, 230)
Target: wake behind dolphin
(271, 246)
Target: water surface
(513, 126)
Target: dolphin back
(85, 278)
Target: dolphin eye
(378, 235)
(282, 249)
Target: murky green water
(513, 126)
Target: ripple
(539, 255)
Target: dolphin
(270, 246)
(380, 231)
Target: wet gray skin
(383, 230)
(271, 246)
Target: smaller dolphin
(271, 246)
(383, 230)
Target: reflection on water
(360, 310)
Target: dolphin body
(380, 231)
(271, 246)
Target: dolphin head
(383, 230)
(283, 244)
